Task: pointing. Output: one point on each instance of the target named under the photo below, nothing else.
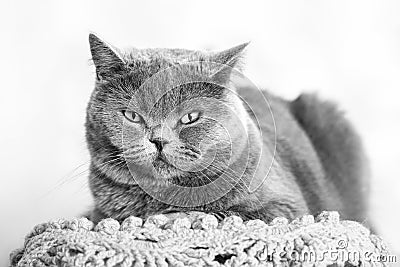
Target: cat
(169, 130)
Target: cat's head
(169, 113)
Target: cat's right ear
(106, 59)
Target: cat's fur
(318, 163)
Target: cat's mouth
(162, 165)
(161, 161)
(161, 157)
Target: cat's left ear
(227, 60)
(106, 59)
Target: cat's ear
(229, 59)
(106, 59)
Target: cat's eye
(132, 116)
(190, 117)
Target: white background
(348, 51)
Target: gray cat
(169, 130)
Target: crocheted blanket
(201, 241)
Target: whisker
(70, 178)
(210, 170)
(240, 192)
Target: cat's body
(311, 159)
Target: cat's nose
(159, 142)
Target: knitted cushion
(201, 241)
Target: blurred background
(347, 51)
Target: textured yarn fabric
(201, 241)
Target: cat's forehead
(154, 73)
(160, 80)
(158, 101)
(161, 56)
(142, 64)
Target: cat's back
(318, 146)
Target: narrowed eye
(132, 116)
(190, 117)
